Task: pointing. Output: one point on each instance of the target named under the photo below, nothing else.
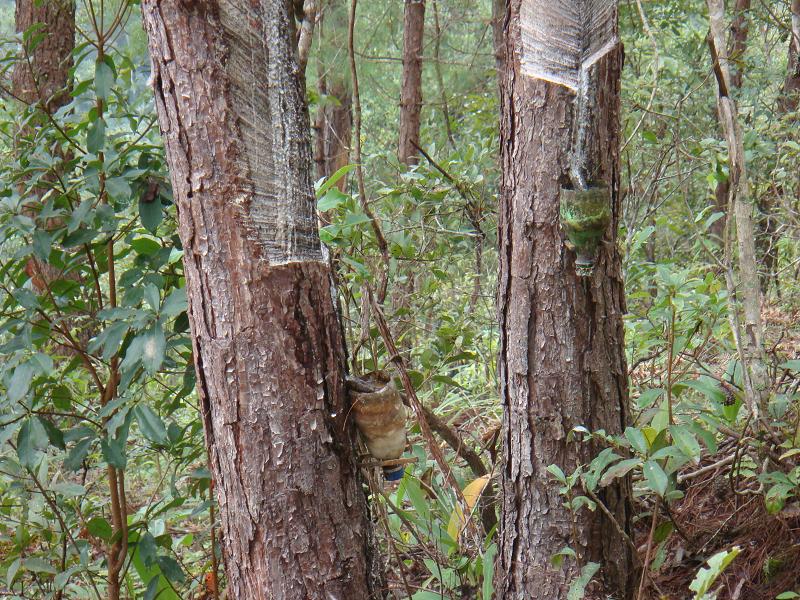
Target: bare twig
(306, 33)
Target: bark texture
(562, 362)
(334, 120)
(411, 91)
(41, 79)
(267, 344)
(43, 74)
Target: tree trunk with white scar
(267, 343)
(562, 361)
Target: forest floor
(724, 507)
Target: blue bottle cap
(393, 473)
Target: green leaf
(598, 465)
(12, 571)
(556, 472)
(96, 136)
(557, 559)
(26, 298)
(119, 189)
(578, 587)
(151, 214)
(685, 441)
(148, 549)
(637, 440)
(662, 531)
(417, 498)
(79, 237)
(100, 528)
(39, 565)
(656, 478)
(650, 136)
(716, 566)
(68, 489)
(113, 453)
(331, 181)
(61, 397)
(20, 382)
(110, 339)
(146, 246)
(42, 242)
(154, 344)
(80, 216)
(147, 574)
(619, 470)
(63, 577)
(659, 557)
(792, 365)
(150, 423)
(488, 571)
(77, 455)
(708, 387)
(731, 411)
(42, 363)
(446, 380)
(32, 438)
(133, 354)
(648, 397)
(152, 588)
(175, 303)
(171, 569)
(103, 80)
(54, 434)
(333, 199)
(152, 296)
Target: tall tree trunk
(562, 362)
(740, 29)
(267, 344)
(498, 17)
(790, 97)
(411, 91)
(334, 120)
(749, 337)
(42, 76)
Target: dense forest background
(710, 480)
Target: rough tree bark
(561, 362)
(267, 343)
(411, 91)
(42, 76)
(334, 121)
